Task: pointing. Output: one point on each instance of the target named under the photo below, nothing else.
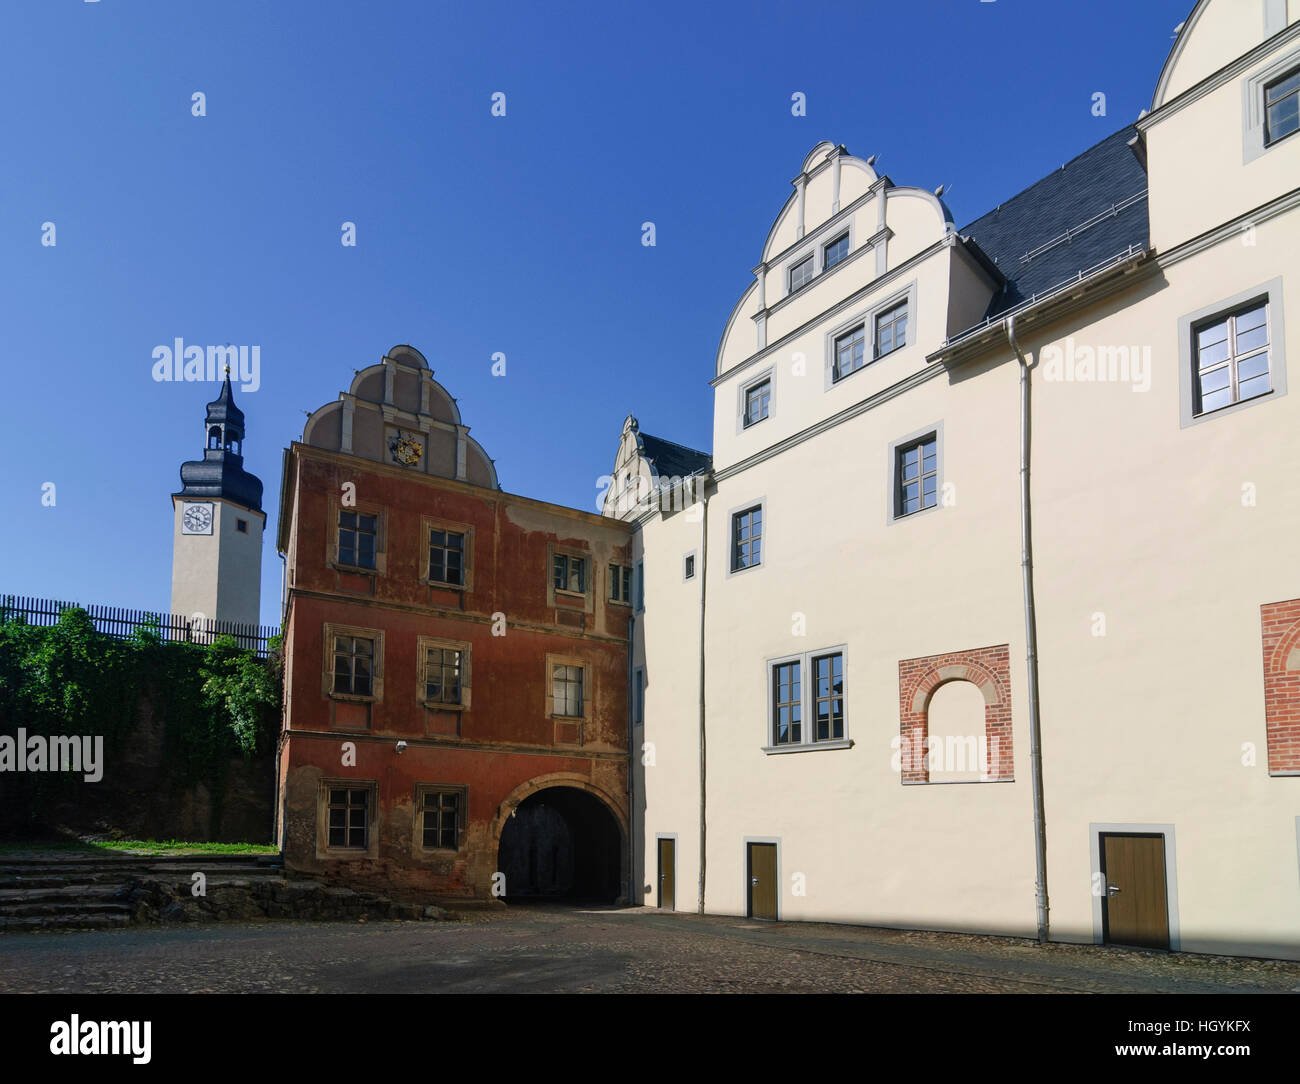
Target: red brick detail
(1280, 622)
(987, 667)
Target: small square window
(569, 573)
(917, 473)
(758, 401)
(747, 538)
(1232, 358)
(241, 525)
(1281, 107)
(801, 274)
(835, 252)
(688, 570)
(891, 330)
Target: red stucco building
(456, 660)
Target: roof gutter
(1031, 638)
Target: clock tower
(217, 525)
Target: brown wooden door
(1135, 904)
(761, 866)
(668, 873)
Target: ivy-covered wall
(188, 733)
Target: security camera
(401, 747)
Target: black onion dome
(220, 473)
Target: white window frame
(1252, 106)
(894, 487)
(1269, 292)
(743, 390)
(807, 700)
(761, 504)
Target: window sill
(352, 698)
(808, 747)
(619, 602)
(356, 570)
(444, 585)
(567, 718)
(951, 782)
(570, 594)
(439, 705)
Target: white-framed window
(1282, 107)
(915, 473)
(758, 401)
(569, 573)
(801, 273)
(747, 538)
(891, 329)
(870, 334)
(918, 475)
(850, 351)
(566, 687)
(1232, 357)
(805, 701)
(1270, 105)
(835, 251)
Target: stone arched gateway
(989, 669)
(559, 836)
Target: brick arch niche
(989, 669)
(1280, 622)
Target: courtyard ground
(572, 949)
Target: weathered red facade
(473, 762)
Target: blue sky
(475, 234)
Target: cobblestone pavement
(556, 948)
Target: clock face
(196, 519)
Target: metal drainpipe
(1031, 639)
(704, 583)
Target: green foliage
(217, 700)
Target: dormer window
(834, 252)
(801, 274)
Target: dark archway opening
(560, 844)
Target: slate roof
(674, 460)
(1102, 178)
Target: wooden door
(761, 873)
(668, 873)
(1135, 906)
